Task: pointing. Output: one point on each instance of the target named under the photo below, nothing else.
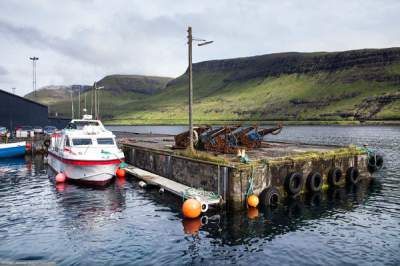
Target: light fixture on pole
(190, 42)
(34, 59)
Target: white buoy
(142, 184)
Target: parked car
(3, 131)
(38, 130)
(24, 132)
(48, 130)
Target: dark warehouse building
(18, 111)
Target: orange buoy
(191, 208)
(120, 172)
(28, 146)
(252, 201)
(191, 226)
(60, 178)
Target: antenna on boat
(98, 100)
(91, 100)
(72, 105)
(79, 102)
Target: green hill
(336, 86)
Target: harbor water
(124, 224)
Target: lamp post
(190, 42)
(34, 59)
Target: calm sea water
(126, 225)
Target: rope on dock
(250, 183)
(371, 153)
(200, 194)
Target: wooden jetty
(181, 190)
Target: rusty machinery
(182, 139)
(254, 137)
(220, 140)
(226, 139)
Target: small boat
(85, 152)
(12, 149)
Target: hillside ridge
(349, 85)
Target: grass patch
(311, 156)
(202, 156)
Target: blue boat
(12, 149)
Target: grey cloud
(3, 71)
(75, 48)
(81, 41)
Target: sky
(79, 42)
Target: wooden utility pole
(190, 41)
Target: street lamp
(34, 59)
(190, 42)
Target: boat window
(105, 141)
(78, 142)
(67, 143)
(81, 124)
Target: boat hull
(12, 150)
(84, 172)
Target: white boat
(85, 152)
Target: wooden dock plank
(169, 185)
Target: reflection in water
(88, 206)
(270, 222)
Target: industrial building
(19, 111)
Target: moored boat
(85, 152)
(8, 150)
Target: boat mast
(72, 105)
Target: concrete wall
(265, 175)
(207, 176)
(232, 183)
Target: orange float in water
(252, 201)
(252, 213)
(60, 178)
(191, 208)
(120, 172)
(191, 226)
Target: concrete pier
(277, 170)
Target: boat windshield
(105, 141)
(81, 142)
(81, 124)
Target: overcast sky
(79, 42)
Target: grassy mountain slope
(117, 91)
(350, 85)
(51, 95)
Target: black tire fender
(352, 175)
(335, 176)
(293, 183)
(375, 162)
(314, 181)
(270, 196)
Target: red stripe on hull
(80, 162)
